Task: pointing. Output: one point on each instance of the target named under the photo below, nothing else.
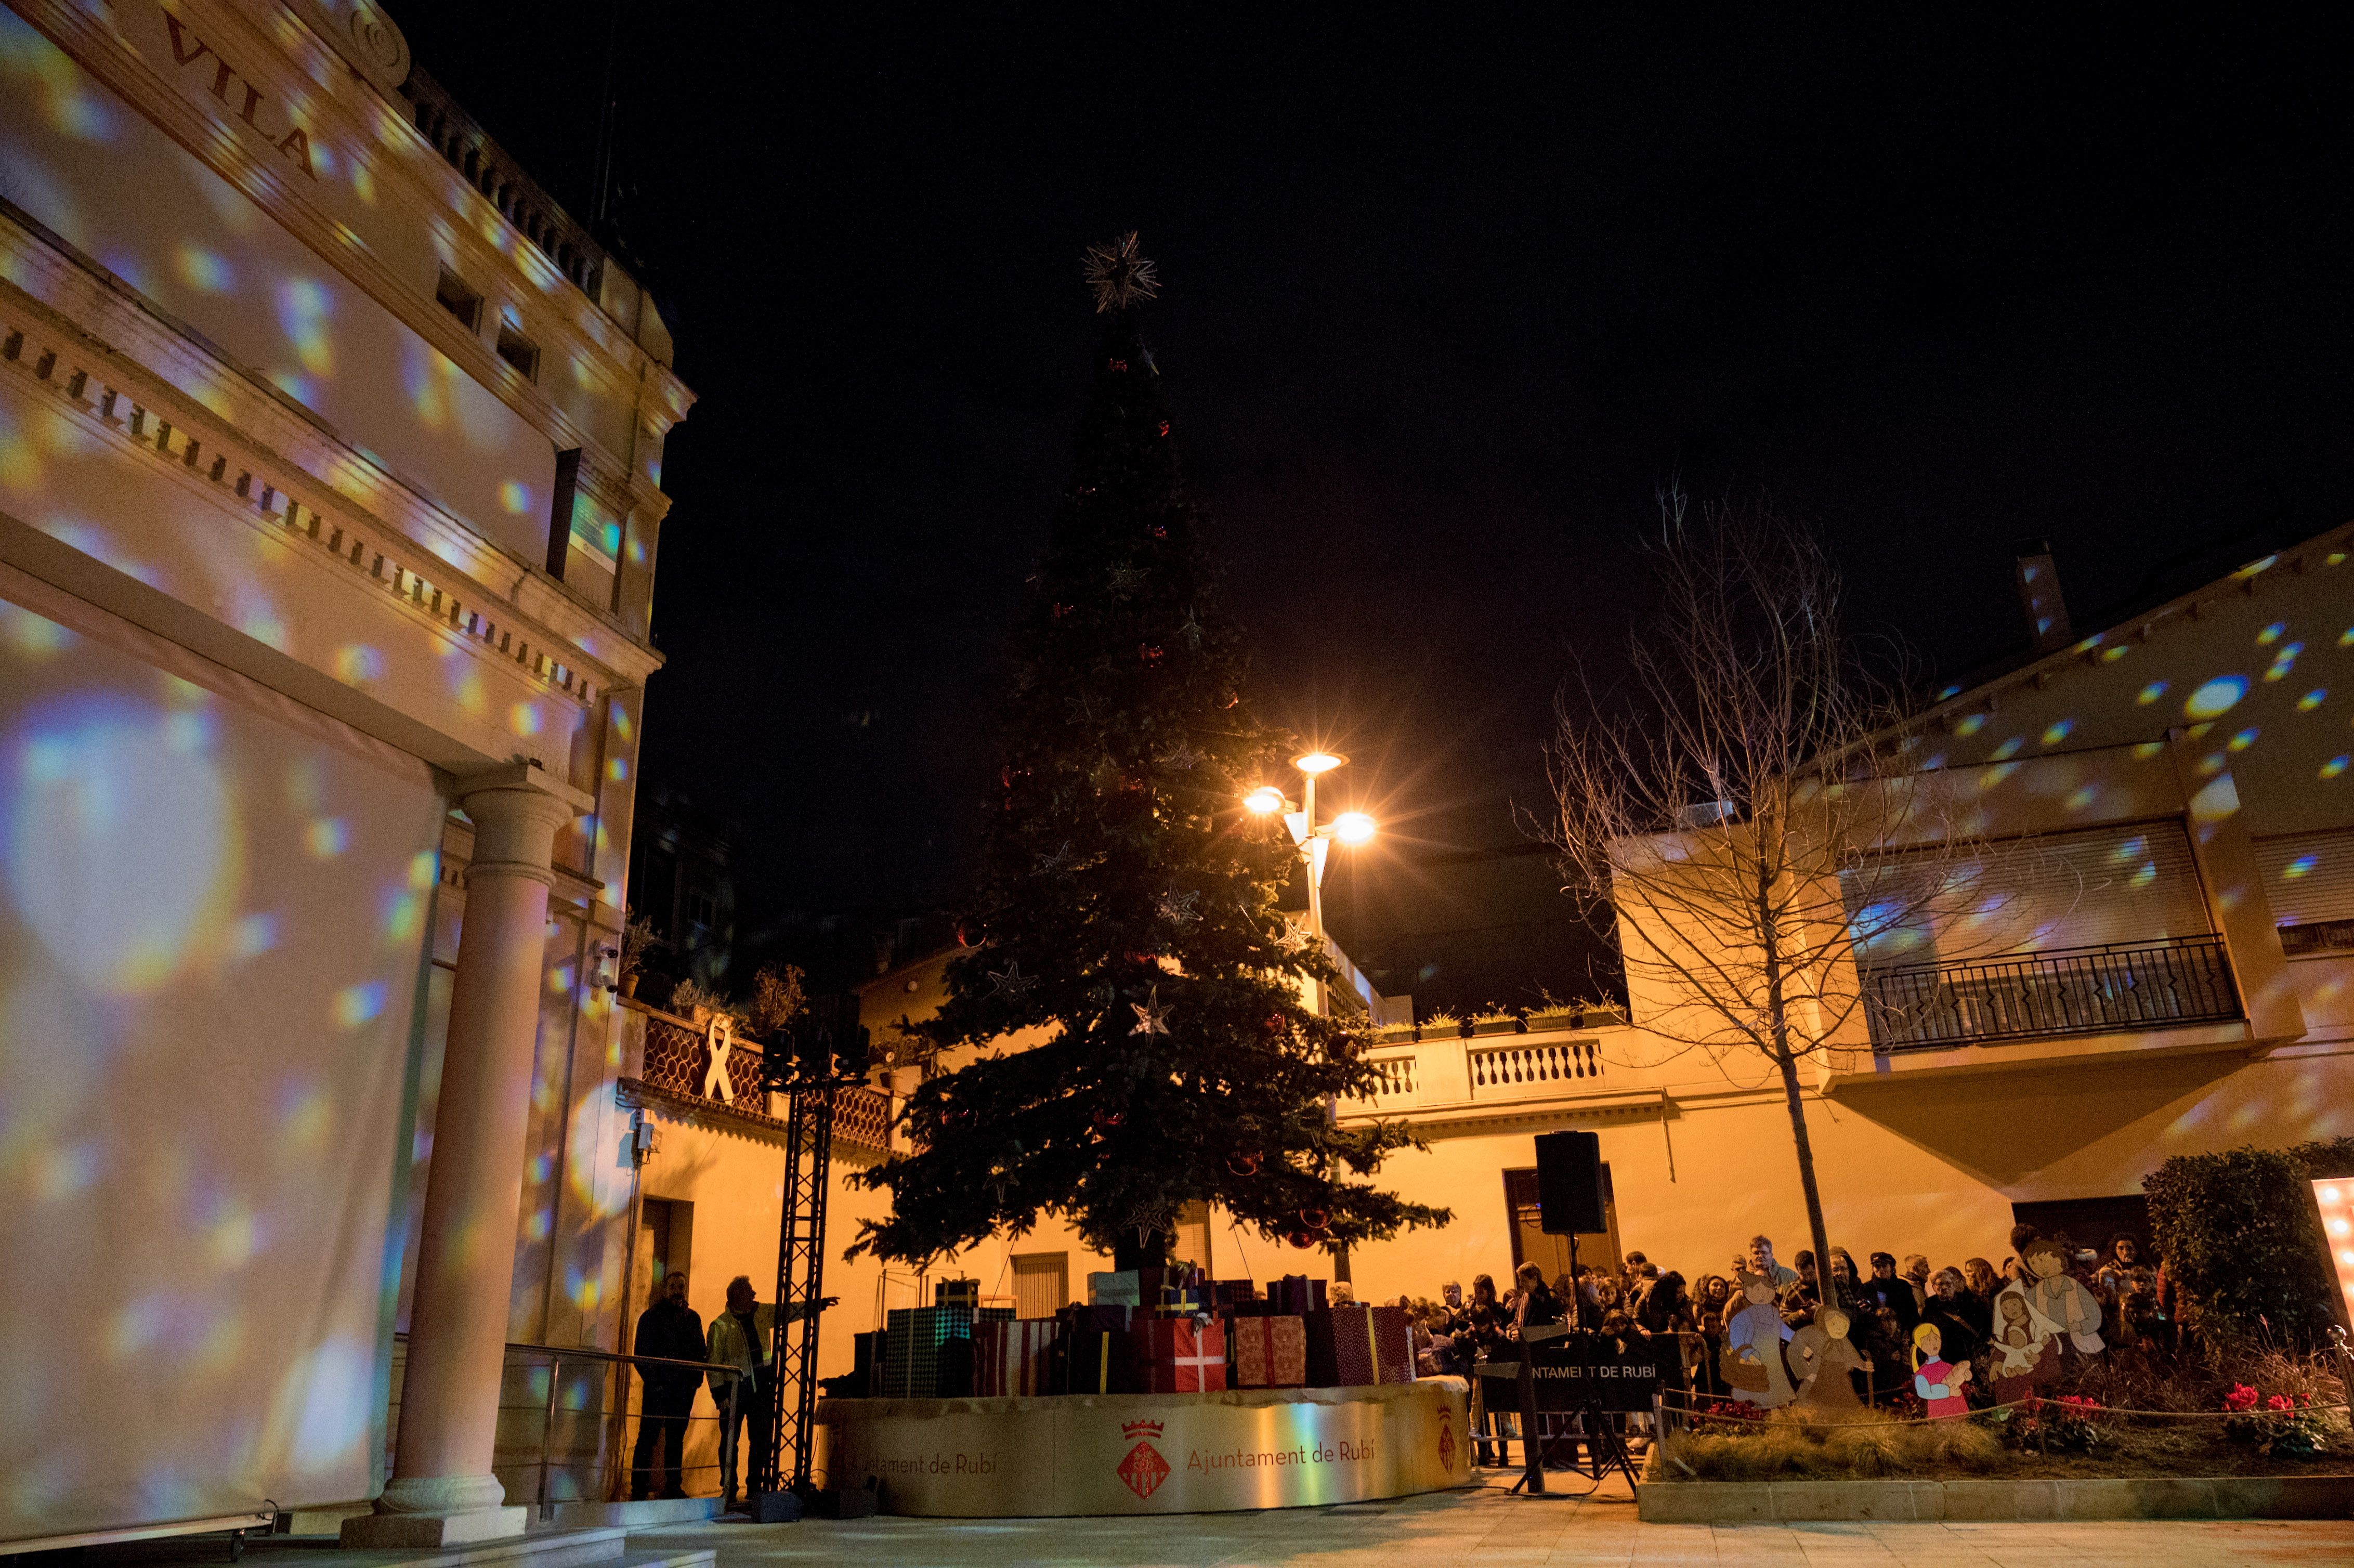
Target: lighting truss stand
(800, 1286)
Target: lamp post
(1315, 841)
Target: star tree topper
(1120, 274)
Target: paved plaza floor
(1488, 1528)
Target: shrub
(2243, 1241)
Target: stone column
(442, 1492)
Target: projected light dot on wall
(618, 768)
(2271, 634)
(2346, 638)
(2284, 661)
(327, 837)
(2312, 699)
(36, 636)
(467, 691)
(2057, 731)
(266, 629)
(621, 726)
(525, 718)
(356, 662)
(2008, 749)
(2300, 866)
(304, 1115)
(206, 271)
(2216, 697)
(253, 935)
(2244, 739)
(404, 915)
(62, 1172)
(516, 496)
(330, 1393)
(2335, 765)
(359, 1004)
(2111, 655)
(2151, 692)
(234, 1235)
(304, 308)
(122, 838)
(424, 867)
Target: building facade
(2171, 803)
(329, 497)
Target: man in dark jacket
(669, 1330)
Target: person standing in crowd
(1801, 1297)
(1534, 1303)
(1916, 1274)
(1957, 1330)
(1760, 1260)
(1713, 1304)
(1886, 1288)
(1977, 1304)
(670, 1330)
(745, 1337)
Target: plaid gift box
(1124, 1288)
(965, 1293)
(1093, 1352)
(1353, 1345)
(1296, 1295)
(996, 1315)
(1179, 1355)
(1229, 1292)
(913, 1363)
(1269, 1352)
(1013, 1357)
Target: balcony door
(1597, 1249)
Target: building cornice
(329, 100)
(124, 363)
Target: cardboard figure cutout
(2026, 1356)
(1938, 1382)
(1753, 1346)
(1822, 1356)
(2060, 1297)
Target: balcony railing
(2035, 996)
(1527, 1071)
(678, 1064)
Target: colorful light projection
(205, 1029)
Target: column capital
(515, 809)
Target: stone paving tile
(1491, 1529)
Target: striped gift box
(919, 1362)
(1014, 1357)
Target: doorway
(1597, 1249)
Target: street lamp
(1313, 838)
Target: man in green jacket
(745, 1337)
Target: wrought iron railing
(678, 1063)
(2032, 996)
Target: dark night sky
(1449, 294)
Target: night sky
(1447, 298)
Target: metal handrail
(2162, 983)
(558, 1354)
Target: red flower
(2280, 1402)
(2242, 1397)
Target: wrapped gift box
(1013, 1357)
(1124, 1288)
(1233, 1292)
(999, 1315)
(1093, 1351)
(1353, 1345)
(965, 1293)
(928, 1353)
(1269, 1351)
(868, 1354)
(1179, 1355)
(1296, 1295)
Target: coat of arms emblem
(1143, 1469)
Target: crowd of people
(1882, 1307)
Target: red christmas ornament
(1059, 611)
(1315, 1219)
(1158, 531)
(1149, 654)
(1302, 1240)
(1164, 426)
(1107, 1119)
(1120, 364)
(1272, 1024)
(1243, 1164)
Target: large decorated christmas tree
(1129, 1017)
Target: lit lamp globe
(1317, 762)
(1265, 800)
(1353, 828)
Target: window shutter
(2310, 877)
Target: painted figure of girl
(1753, 1346)
(2025, 1355)
(1938, 1382)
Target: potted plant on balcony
(638, 939)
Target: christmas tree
(1128, 914)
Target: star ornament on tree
(1152, 1015)
(1119, 274)
(1010, 982)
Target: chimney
(2039, 595)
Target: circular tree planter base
(2123, 1496)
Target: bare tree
(1747, 821)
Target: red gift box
(1270, 1352)
(1181, 1355)
(1014, 1358)
(1353, 1345)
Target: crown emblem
(1133, 1429)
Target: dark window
(559, 511)
(459, 299)
(1551, 1253)
(519, 351)
(702, 909)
